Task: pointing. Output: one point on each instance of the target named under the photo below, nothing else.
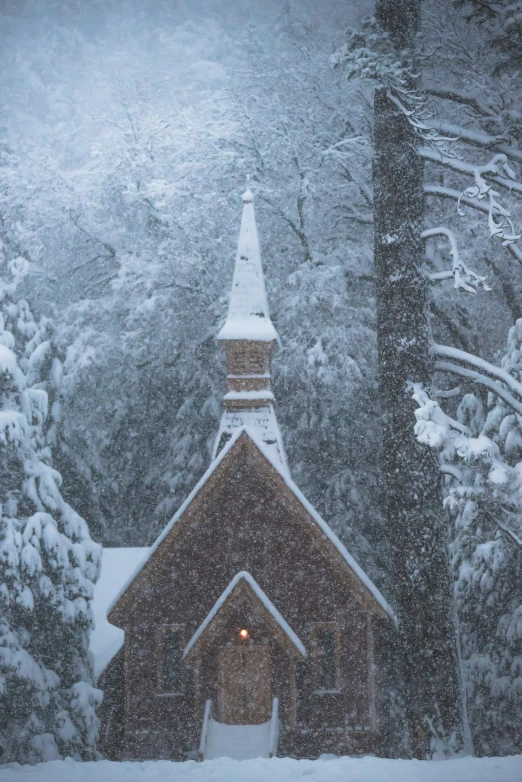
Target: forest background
(130, 130)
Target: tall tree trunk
(417, 522)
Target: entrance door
(244, 685)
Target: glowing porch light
(243, 634)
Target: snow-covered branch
(500, 172)
(479, 364)
(439, 393)
(448, 192)
(433, 425)
(477, 377)
(413, 104)
(465, 278)
(459, 96)
(489, 170)
(477, 138)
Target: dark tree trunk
(417, 522)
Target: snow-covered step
(237, 741)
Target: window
(326, 654)
(170, 660)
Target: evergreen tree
(482, 459)
(48, 562)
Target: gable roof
(243, 577)
(317, 525)
(328, 532)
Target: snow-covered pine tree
(48, 562)
(482, 459)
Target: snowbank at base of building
(366, 769)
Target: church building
(249, 629)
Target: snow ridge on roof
(248, 317)
(243, 575)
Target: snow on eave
(330, 534)
(195, 491)
(255, 328)
(243, 575)
(263, 395)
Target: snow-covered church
(247, 629)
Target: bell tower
(249, 339)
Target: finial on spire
(248, 196)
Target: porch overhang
(244, 583)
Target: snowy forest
(383, 143)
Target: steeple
(249, 339)
(247, 317)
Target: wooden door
(244, 686)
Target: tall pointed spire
(248, 316)
(249, 338)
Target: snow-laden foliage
(48, 562)
(131, 129)
(481, 456)
(503, 21)
(370, 54)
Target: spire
(248, 317)
(249, 339)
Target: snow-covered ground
(366, 769)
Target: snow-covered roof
(243, 575)
(328, 532)
(118, 565)
(179, 513)
(248, 317)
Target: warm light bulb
(243, 634)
